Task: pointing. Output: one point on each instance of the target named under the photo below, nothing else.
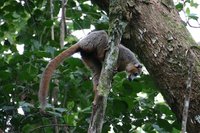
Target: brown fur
(93, 49)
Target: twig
(192, 25)
(190, 57)
(51, 12)
(63, 24)
(187, 21)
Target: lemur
(92, 49)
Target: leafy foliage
(186, 6)
(131, 106)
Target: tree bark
(156, 33)
(62, 23)
(52, 18)
(116, 28)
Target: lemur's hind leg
(96, 67)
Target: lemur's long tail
(46, 76)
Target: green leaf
(5, 75)
(145, 84)
(8, 108)
(71, 39)
(119, 107)
(163, 108)
(27, 128)
(101, 25)
(193, 4)
(61, 110)
(85, 7)
(8, 88)
(86, 110)
(174, 130)
(45, 122)
(148, 127)
(41, 54)
(73, 13)
(27, 72)
(176, 125)
(2, 2)
(48, 23)
(50, 50)
(187, 1)
(81, 24)
(188, 11)
(165, 125)
(130, 89)
(55, 113)
(4, 27)
(74, 63)
(71, 4)
(138, 122)
(193, 16)
(70, 105)
(25, 104)
(70, 120)
(179, 7)
(16, 58)
(106, 127)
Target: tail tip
(43, 102)
(42, 106)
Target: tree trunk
(156, 33)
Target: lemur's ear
(138, 66)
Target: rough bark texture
(156, 33)
(116, 28)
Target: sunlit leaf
(188, 11)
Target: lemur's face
(133, 70)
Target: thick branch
(116, 28)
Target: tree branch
(51, 12)
(116, 29)
(62, 24)
(191, 64)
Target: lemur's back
(97, 50)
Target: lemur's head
(133, 70)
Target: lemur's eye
(135, 74)
(132, 76)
